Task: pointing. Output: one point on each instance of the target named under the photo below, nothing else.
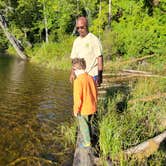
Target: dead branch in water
(30, 158)
(15, 43)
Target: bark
(15, 43)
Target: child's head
(79, 64)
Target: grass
(121, 124)
(68, 130)
(53, 55)
(122, 129)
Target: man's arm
(100, 69)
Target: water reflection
(34, 101)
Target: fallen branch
(148, 98)
(131, 74)
(146, 148)
(135, 71)
(15, 43)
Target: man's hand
(100, 77)
(100, 70)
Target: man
(88, 46)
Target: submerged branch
(30, 158)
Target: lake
(34, 103)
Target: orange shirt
(85, 95)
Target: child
(85, 98)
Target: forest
(133, 36)
(46, 29)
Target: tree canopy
(137, 26)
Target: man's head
(78, 64)
(82, 26)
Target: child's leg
(84, 129)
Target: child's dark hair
(81, 63)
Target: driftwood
(142, 150)
(83, 156)
(15, 43)
(135, 71)
(146, 148)
(129, 73)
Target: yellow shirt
(89, 48)
(85, 95)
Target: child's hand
(75, 114)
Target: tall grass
(53, 55)
(68, 131)
(120, 130)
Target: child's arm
(77, 97)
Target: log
(135, 71)
(132, 73)
(83, 156)
(146, 148)
(15, 43)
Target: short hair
(83, 19)
(80, 62)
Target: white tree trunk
(15, 43)
(45, 23)
(109, 13)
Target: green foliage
(3, 42)
(68, 132)
(136, 32)
(101, 20)
(136, 29)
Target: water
(34, 103)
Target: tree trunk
(45, 22)
(109, 13)
(15, 43)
